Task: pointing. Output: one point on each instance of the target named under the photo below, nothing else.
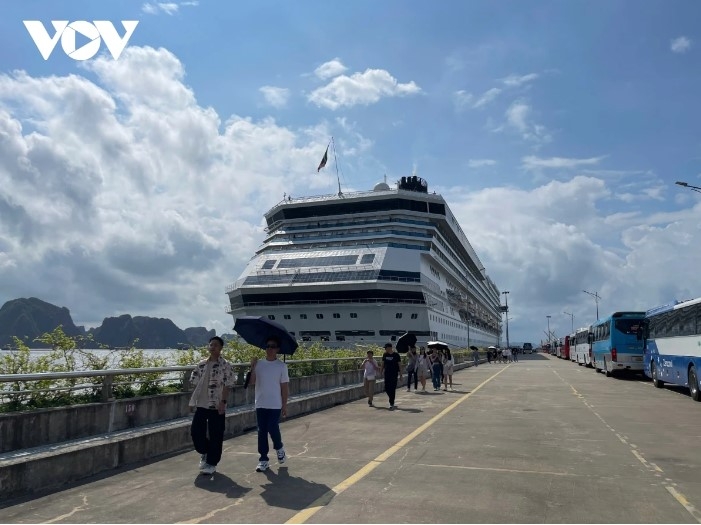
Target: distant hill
(199, 336)
(30, 318)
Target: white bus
(673, 345)
(582, 348)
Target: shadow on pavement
(222, 484)
(291, 492)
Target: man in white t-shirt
(271, 380)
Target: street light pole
(596, 297)
(572, 316)
(506, 298)
(548, 316)
(687, 185)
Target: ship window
(271, 317)
(414, 316)
(306, 338)
(303, 262)
(367, 258)
(268, 265)
(398, 315)
(354, 315)
(340, 338)
(324, 338)
(302, 316)
(336, 316)
(287, 316)
(319, 316)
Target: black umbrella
(257, 330)
(438, 345)
(475, 348)
(404, 342)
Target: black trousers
(391, 387)
(208, 419)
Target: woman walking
(448, 370)
(370, 371)
(411, 369)
(436, 373)
(422, 368)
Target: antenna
(335, 161)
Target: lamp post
(572, 316)
(506, 298)
(596, 297)
(687, 185)
(548, 316)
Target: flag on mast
(323, 161)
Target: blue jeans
(436, 376)
(268, 423)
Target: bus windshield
(628, 326)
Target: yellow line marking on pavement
(506, 470)
(684, 502)
(303, 515)
(650, 467)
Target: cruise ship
(363, 268)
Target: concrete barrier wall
(50, 469)
(53, 425)
(37, 428)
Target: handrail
(42, 376)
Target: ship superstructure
(366, 267)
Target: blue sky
(555, 130)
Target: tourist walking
(390, 368)
(436, 370)
(271, 379)
(370, 370)
(448, 370)
(411, 369)
(213, 379)
(422, 366)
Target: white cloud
(680, 44)
(170, 8)
(518, 119)
(516, 80)
(275, 96)
(131, 195)
(555, 252)
(361, 88)
(480, 163)
(487, 97)
(462, 100)
(532, 162)
(330, 69)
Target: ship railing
(388, 300)
(19, 389)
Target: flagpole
(335, 161)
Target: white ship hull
(363, 269)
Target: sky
(555, 131)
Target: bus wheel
(655, 380)
(694, 384)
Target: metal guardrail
(108, 375)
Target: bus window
(628, 326)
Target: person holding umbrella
(390, 368)
(271, 380)
(213, 378)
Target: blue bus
(617, 343)
(673, 346)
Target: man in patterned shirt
(213, 379)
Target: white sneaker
(262, 466)
(203, 461)
(281, 456)
(208, 469)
